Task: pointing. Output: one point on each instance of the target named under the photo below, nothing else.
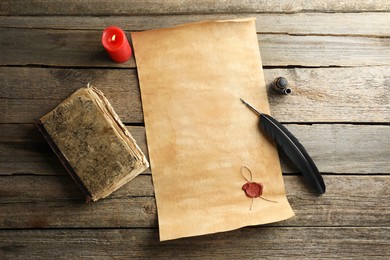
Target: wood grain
(29, 93)
(55, 48)
(83, 48)
(264, 242)
(332, 95)
(34, 189)
(55, 202)
(123, 7)
(351, 221)
(24, 151)
(352, 24)
(341, 149)
(348, 95)
(289, 50)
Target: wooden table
(336, 56)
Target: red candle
(116, 44)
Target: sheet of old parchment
(199, 133)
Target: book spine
(65, 163)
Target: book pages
(92, 143)
(199, 133)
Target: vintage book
(92, 143)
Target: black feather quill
(292, 148)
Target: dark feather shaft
(292, 148)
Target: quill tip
(243, 101)
(251, 107)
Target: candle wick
(113, 37)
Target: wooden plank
(123, 7)
(342, 149)
(358, 24)
(332, 95)
(26, 94)
(363, 201)
(33, 189)
(335, 148)
(288, 50)
(84, 48)
(319, 94)
(252, 243)
(24, 151)
(55, 48)
(346, 148)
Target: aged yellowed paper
(199, 133)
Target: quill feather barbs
(292, 148)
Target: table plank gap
(347, 24)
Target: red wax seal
(253, 189)
(116, 44)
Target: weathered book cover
(92, 143)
